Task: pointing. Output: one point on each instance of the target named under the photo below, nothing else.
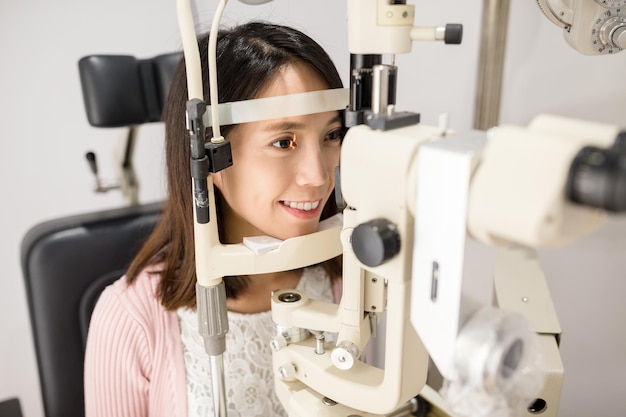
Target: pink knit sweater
(134, 364)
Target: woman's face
(283, 169)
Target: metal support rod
(380, 89)
(495, 20)
(213, 327)
(218, 386)
(130, 186)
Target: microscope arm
(363, 386)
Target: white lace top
(247, 360)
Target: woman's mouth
(303, 210)
(304, 206)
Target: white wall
(45, 136)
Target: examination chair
(67, 262)
(10, 408)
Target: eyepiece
(597, 178)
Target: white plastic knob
(287, 371)
(344, 355)
(278, 342)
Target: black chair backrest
(10, 408)
(66, 263)
(121, 90)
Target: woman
(144, 355)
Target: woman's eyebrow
(288, 125)
(336, 119)
(282, 126)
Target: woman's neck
(256, 297)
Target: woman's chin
(284, 235)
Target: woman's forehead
(295, 77)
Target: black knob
(375, 241)
(453, 34)
(91, 160)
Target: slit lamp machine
(404, 232)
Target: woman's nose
(312, 168)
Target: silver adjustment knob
(619, 37)
(613, 32)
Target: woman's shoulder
(133, 346)
(140, 295)
(132, 311)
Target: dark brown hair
(248, 56)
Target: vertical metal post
(495, 20)
(128, 180)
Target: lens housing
(597, 178)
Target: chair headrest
(121, 90)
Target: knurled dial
(558, 12)
(608, 34)
(611, 3)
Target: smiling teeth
(302, 206)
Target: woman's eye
(285, 143)
(336, 135)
